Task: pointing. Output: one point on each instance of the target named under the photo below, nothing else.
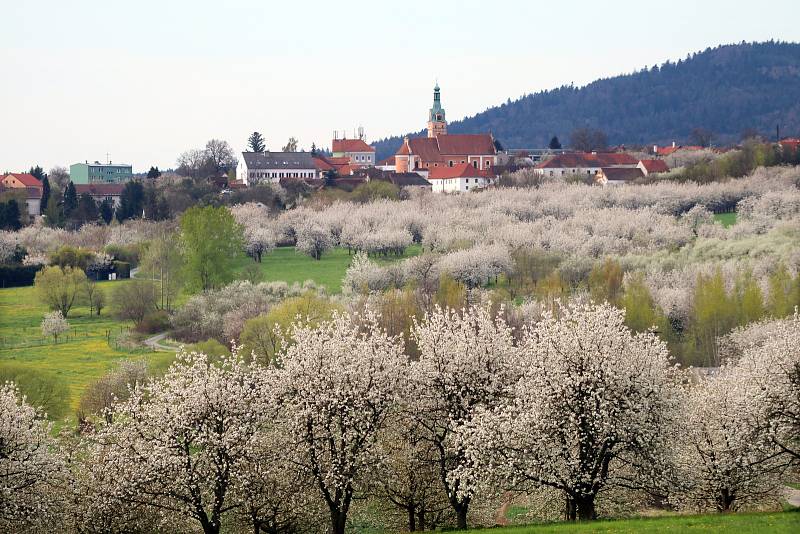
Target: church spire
(437, 124)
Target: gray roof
(278, 160)
(407, 179)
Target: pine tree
(70, 200)
(45, 195)
(256, 142)
(106, 211)
(555, 144)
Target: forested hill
(727, 90)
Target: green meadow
(726, 219)
(740, 523)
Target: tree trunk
(585, 509)
(725, 500)
(338, 522)
(412, 520)
(421, 518)
(461, 517)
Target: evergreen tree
(38, 173)
(87, 209)
(54, 211)
(555, 144)
(45, 195)
(153, 173)
(70, 200)
(106, 211)
(256, 142)
(131, 202)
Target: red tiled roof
(655, 165)
(466, 144)
(426, 148)
(666, 150)
(387, 161)
(404, 149)
(322, 164)
(105, 190)
(462, 170)
(351, 145)
(28, 180)
(586, 159)
(342, 160)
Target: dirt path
(792, 496)
(154, 342)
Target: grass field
(766, 523)
(87, 352)
(727, 219)
(284, 263)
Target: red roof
(351, 145)
(462, 170)
(655, 165)
(404, 149)
(322, 164)
(28, 180)
(387, 161)
(437, 148)
(343, 160)
(587, 159)
(100, 190)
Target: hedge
(18, 275)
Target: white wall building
(460, 178)
(271, 167)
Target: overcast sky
(144, 80)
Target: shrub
(154, 322)
(46, 390)
(18, 275)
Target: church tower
(437, 124)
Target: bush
(154, 322)
(125, 253)
(41, 389)
(18, 275)
(123, 269)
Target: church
(440, 149)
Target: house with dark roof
(617, 175)
(459, 178)
(31, 195)
(271, 167)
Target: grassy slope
(285, 264)
(727, 219)
(773, 523)
(85, 355)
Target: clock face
(438, 116)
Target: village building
(588, 163)
(33, 188)
(99, 173)
(653, 166)
(460, 178)
(357, 152)
(271, 167)
(617, 175)
(102, 192)
(440, 149)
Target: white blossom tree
(313, 239)
(178, 445)
(338, 385)
(589, 413)
(466, 363)
(29, 462)
(54, 324)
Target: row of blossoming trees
(575, 412)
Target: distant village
(441, 162)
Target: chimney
(655, 149)
(673, 144)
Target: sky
(143, 81)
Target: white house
(588, 163)
(459, 178)
(257, 167)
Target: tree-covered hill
(728, 90)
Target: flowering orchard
(574, 407)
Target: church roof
(436, 148)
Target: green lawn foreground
(726, 219)
(739, 523)
(285, 264)
(86, 353)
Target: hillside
(727, 90)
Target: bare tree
(701, 137)
(588, 139)
(220, 155)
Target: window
(475, 164)
(451, 162)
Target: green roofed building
(100, 173)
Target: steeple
(437, 124)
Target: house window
(451, 162)
(475, 164)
